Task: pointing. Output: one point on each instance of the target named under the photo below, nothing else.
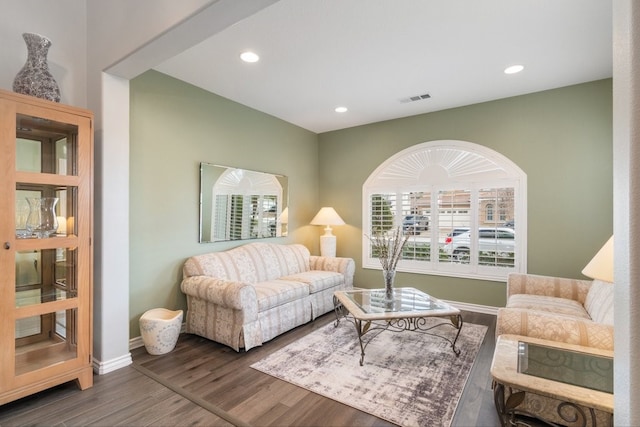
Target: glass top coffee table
(410, 310)
(554, 382)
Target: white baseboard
(476, 308)
(485, 309)
(102, 368)
(137, 341)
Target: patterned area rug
(408, 378)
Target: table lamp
(327, 216)
(601, 266)
(284, 220)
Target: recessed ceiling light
(249, 57)
(513, 69)
(341, 109)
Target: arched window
(445, 195)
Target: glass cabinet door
(49, 337)
(46, 205)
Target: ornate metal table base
(415, 324)
(519, 408)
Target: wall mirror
(238, 204)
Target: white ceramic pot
(160, 329)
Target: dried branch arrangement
(388, 245)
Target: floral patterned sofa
(558, 309)
(250, 294)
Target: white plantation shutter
(235, 215)
(383, 208)
(220, 215)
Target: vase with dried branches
(387, 246)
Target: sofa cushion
(566, 307)
(554, 327)
(599, 302)
(317, 280)
(253, 262)
(532, 284)
(273, 293)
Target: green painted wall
(174, 127)
(561, 138)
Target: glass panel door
(46, 282)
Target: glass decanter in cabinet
(46, 259)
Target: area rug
(408, 378)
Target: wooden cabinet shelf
(50, 243)
(43, 354)
(46, 285)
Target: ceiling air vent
(415, 98)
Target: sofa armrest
(346, 266)
(575, 289)
(225, 293)
(554, 327)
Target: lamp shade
(327, 216)
(601, 266)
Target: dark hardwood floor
(202, 383)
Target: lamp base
(328, 245)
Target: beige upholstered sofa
(558, 309)
(248, 295)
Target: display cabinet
(46, 253)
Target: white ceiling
(369, 55)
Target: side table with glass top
(553, 382)
(410, 310)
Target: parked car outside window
(499, 241)
(415, 224)
(456, 231)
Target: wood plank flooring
(211, 385)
